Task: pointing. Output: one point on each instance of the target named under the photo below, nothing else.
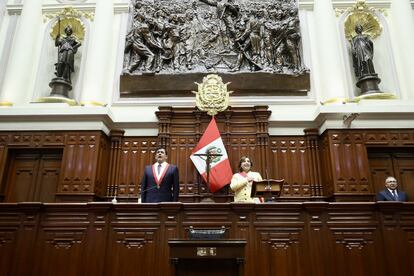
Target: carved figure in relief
(139, 43)
(227, 10)
(219, 35)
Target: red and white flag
(220, 169)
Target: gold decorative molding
(70, 102)
(92, 103)
(361, 14)
(212, 95)
(342, 7)
(376, 96)
(52, 12)
(77, 27)
(6, 104)
(336, 101)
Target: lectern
(268, 189)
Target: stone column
(97, 86)
(21, 66)
(403, 22)
(332, 81)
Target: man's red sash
(158, 181)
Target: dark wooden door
(397, 163)
(33, 176)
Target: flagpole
(208, 156)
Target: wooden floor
(315, 238)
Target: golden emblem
(212, 95)
(68, 17)
(361, 14)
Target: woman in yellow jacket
(241, 183)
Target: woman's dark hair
(244, 157)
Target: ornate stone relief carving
(213, 35)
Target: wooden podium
(268, 189)
(207, 257)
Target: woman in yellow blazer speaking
(241, 183)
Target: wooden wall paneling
(22, 177)
(357, 239)
(261, 115)
(206, 216)
(326, 166)
(134, 241)
(164, 116)
(314, 163)
(25, 244)
(397, 223)
(97, 235)
(62, 240)
(381, 166)
(320, 241)
(33, 175)
(280, 240)
(404, 172)
(351, 168)
(114, 161)
(179, 154)
(169, 230)
(244, 145)
(406, 219)
(136, 153)
(242, 230)
(313, 238)
(102, 167)
(290, 160)
(79, 166)
(47, 177)
(10, 223)
(3, 167)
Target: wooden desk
(207, 257)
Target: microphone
(149, 189)
(146, 190)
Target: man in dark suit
(391, 193)
(160, 182)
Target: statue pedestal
(60, 87)
(369, 84)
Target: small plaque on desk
(206, 234)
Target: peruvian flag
(220, 170)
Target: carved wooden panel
(79, 161)
(351, 167)
(136, 153)
(345, 156)
(289, 161)
(84, 162)
(134, 239)
(9, 226)
(280, 237)
(102, 167)
(312, 238)
(33, 175)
